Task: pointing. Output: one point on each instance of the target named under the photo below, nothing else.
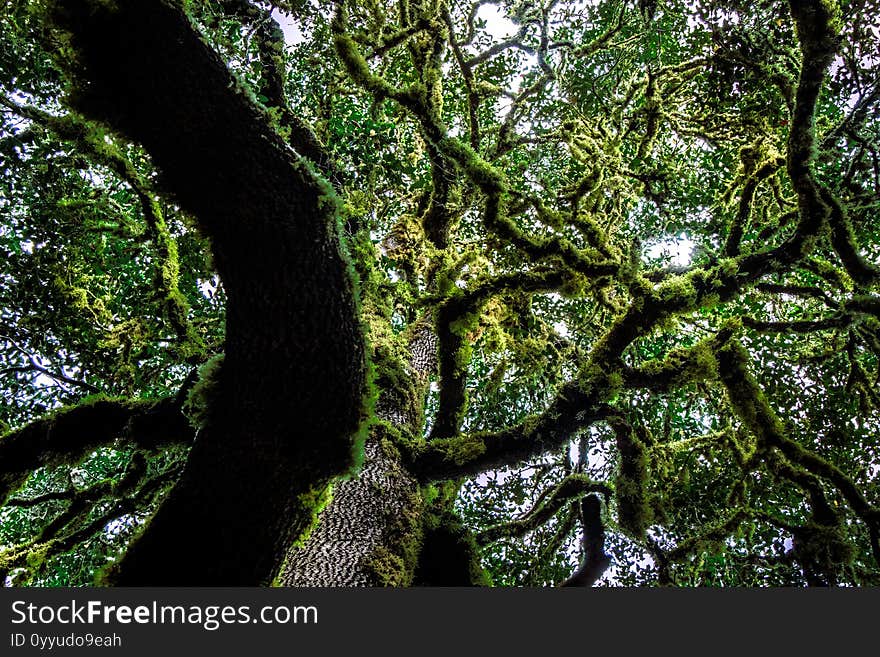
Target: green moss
(826, 547)
(463, 449)
(485, 176)
(82, 300)
(394, 562)
(678, 290)
(310, 504)
(710, 539)
(633, 509)
(36, 555)
(596, 377)
(743, 446)
(576, 286)
(746, 397)
(390, 438)
(309, 507)
(203, 394)
(388, 568)
(728, 267)
(684, 365)
(357, 66)
(430, 493)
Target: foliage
(646, 237)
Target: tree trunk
(371, 532)
(288, 399)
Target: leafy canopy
(646, 236)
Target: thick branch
(69, 435)
(679, 367)
(447, 458)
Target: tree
(409, 300)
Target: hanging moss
(83, 301)
(100, 147)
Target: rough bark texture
(370, 534)
(290, 392)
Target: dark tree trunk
(288, 400)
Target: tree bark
(289, 397)
(371, 532)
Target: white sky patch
(502, 106)
(209, 287)
(95, 177)
(678, 250)
(498, 25)
(573, 451)
(43, 381)
(292, 34)
(561, 329)
(119, 525)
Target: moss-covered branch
(709, 536)
(449, 458)
(270, 43)
(450, 555)
(754, 171)
(679, 367)
(573, 487)
(844, 242)
(68, 435)
(457, 318)
(419, 99)
(631, 480)
(467, 73)
(751, 406)
(818, 25)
